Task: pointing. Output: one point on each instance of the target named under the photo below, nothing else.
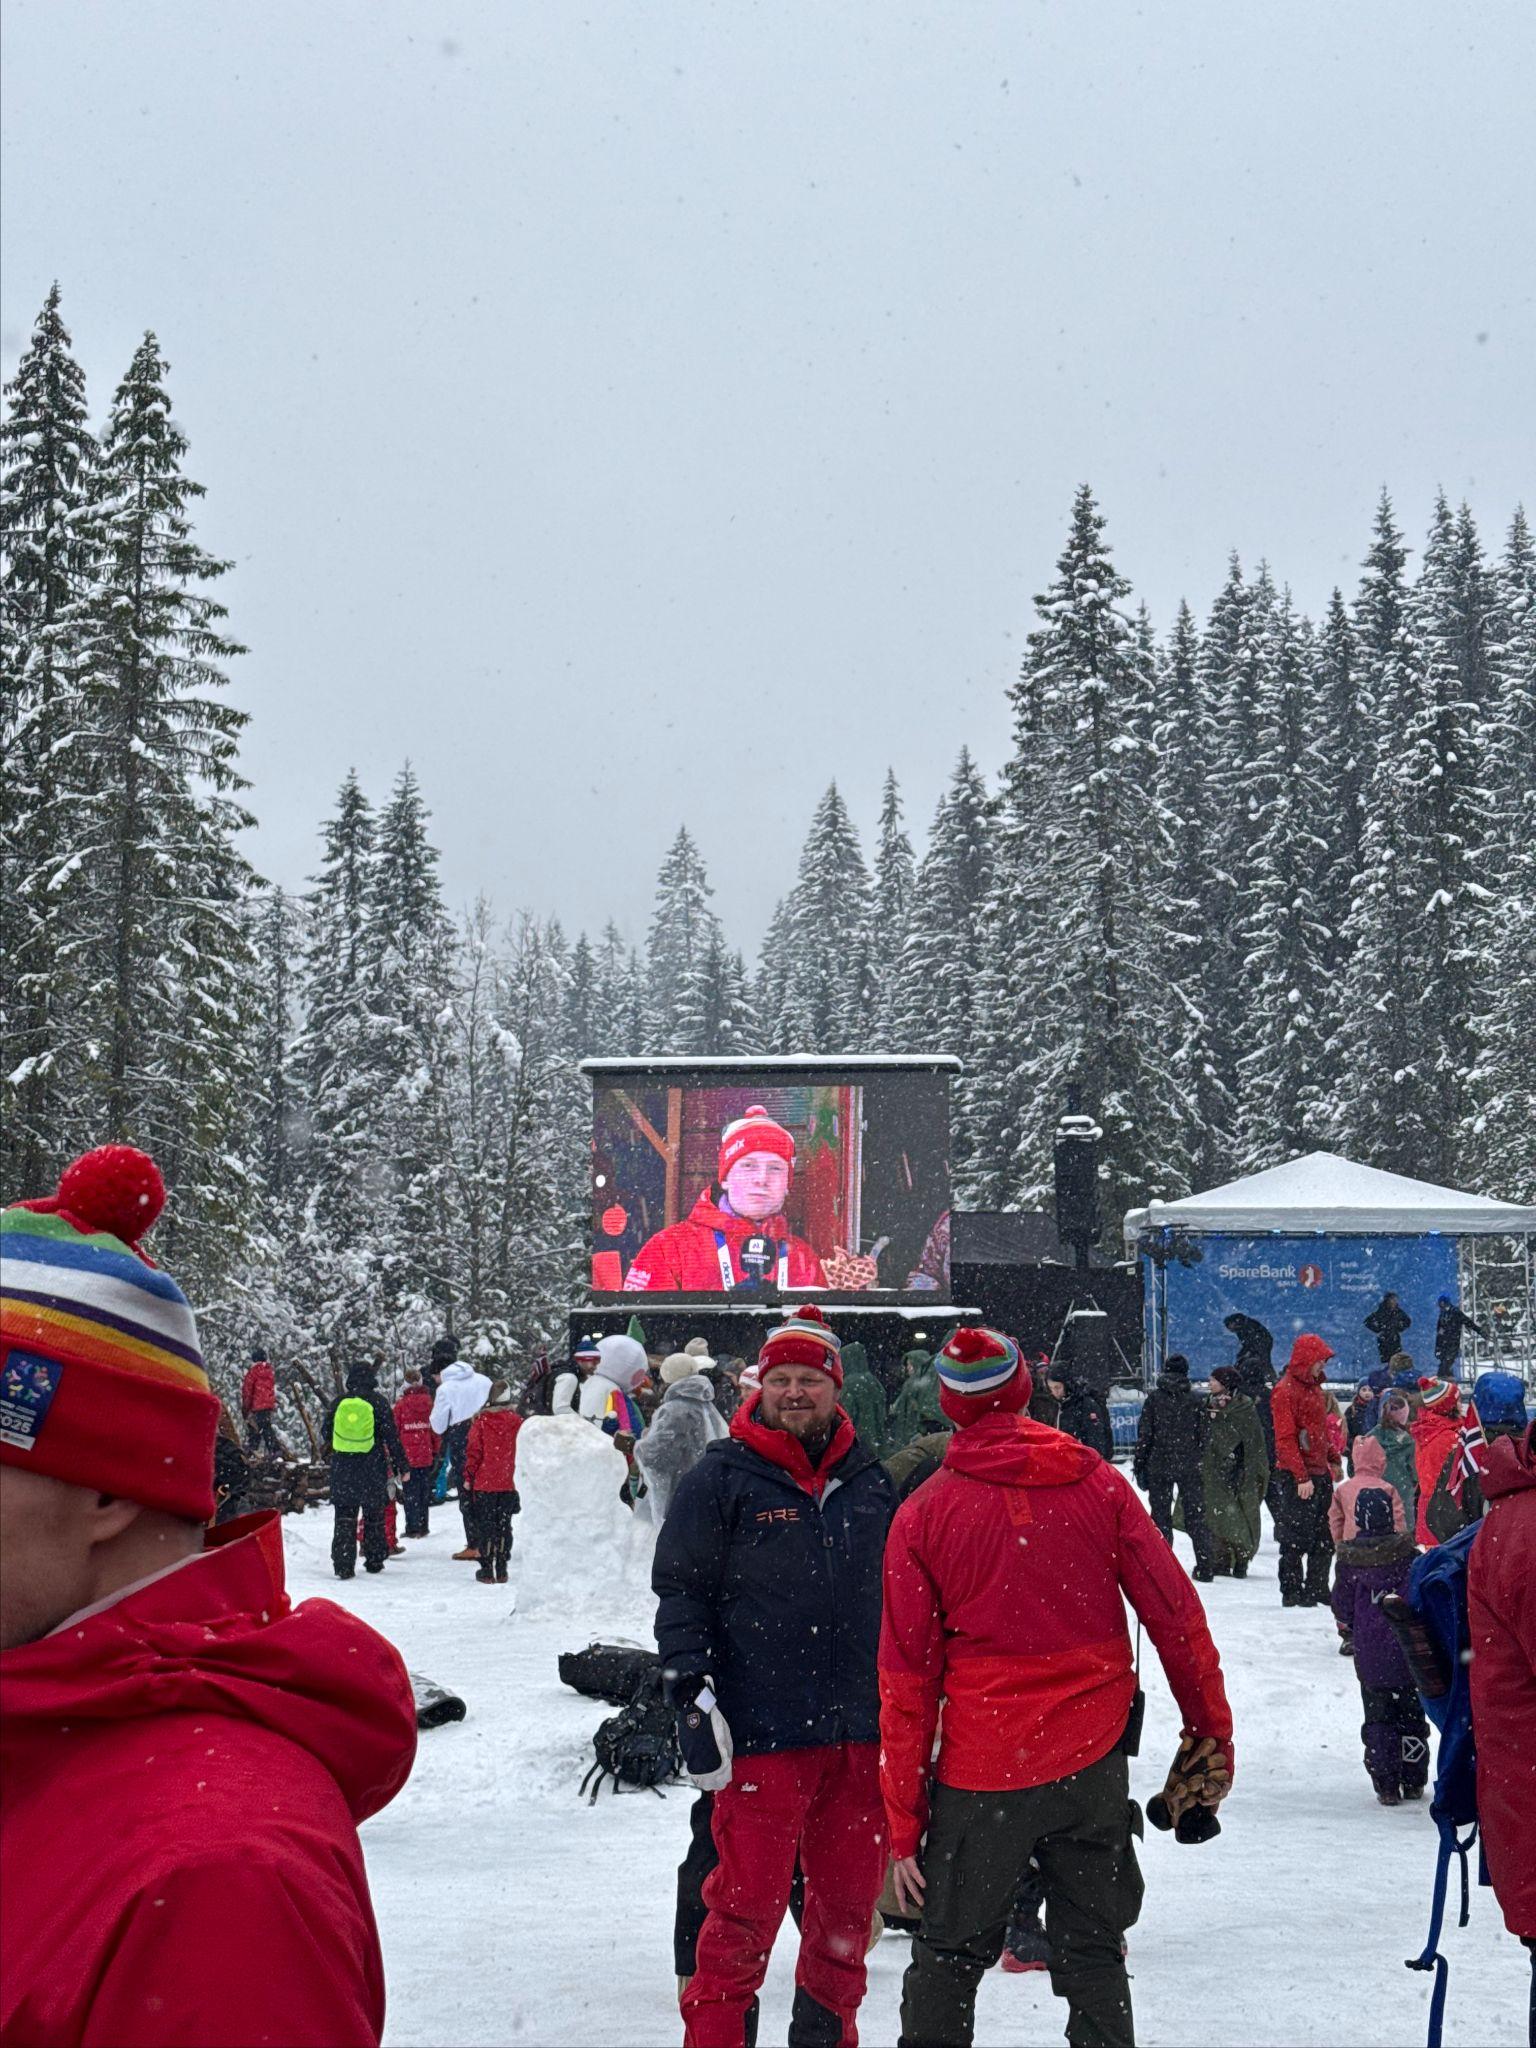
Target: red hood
(1015, 1450)
(1511, 1465)
(221, 1636)
(1307, 1354)
(787, 1452)
(713, 1217)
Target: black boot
(1240, 1571)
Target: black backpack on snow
(609, 1671)
(638, 1745)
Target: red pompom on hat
(754, 1132)
(102, 1382)
(117, 1189)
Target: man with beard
(767, 1576)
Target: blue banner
(1328, 1285)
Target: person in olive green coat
(1236, 1471)
(915, 1411)
(1396, 1439)
(864, 1398)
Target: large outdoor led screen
(754, 1183)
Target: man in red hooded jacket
(1305, 1470)
(185, 1756)
(1006, 1577)
(1501, 1614)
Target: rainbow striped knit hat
(978, 1361)
(803, 1339)
(101, 1378)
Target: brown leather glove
(1201, 1776)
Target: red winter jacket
(1501, 1612)
(258, 1390)
(1004, 1577)
(413, 1419)
(685, 1258)
(184, 1773)
(1434, 1432)
(490, 1455)
(1300, 1413)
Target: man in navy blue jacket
(767, 1576)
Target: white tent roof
(1322, 1192)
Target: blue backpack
(1437, 1638)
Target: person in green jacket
(1236, 1472)
(1396, 1439)
(863, 1397)
(915, 1411)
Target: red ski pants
(823, 1805)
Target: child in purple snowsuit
(1375, 1562)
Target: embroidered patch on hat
(28, 1383)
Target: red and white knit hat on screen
(754, 1132)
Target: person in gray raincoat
(685, 1424)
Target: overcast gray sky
(644, 413)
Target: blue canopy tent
(1314, 1245)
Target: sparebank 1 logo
(1311, 1276)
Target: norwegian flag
(1471, 1452)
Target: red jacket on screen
(1501, 1612)
(184, 1774)
(258, 1390)
(685, 1257)
(1004, 1577)
(490, 1455)
(413, 1419)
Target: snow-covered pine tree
(889, 917)
(581, 1000)
(170, 989)
(1448, 804)
(826, 996)
(1380, 1104)
(1284, 941)
(47, 567)
(1181, 889)
(714, 1018)
(336, 1041)
(683, 928)
(1092, 987)
(410, 1058)
(770, 985)
(1347, 738)
(279, 1108)
(1501, 1147)
(942, 961)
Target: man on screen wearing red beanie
(741, 1236)
(1006, 1577)
(184, 1755)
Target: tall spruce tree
(683, 931)
(47, 570)
(889, 918)
(826, 997)
(1347, 742)
(335, 1048)
(1284, 939)
(941, 964)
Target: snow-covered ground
(513, 1912)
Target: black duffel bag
(615, 1672)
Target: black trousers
(1190, 1481)
(416, 1498)
(1306, 1549)
(456, 1442)
(344, 1535)
(260, 1434)
(1079, 1831)
(493, 1529)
